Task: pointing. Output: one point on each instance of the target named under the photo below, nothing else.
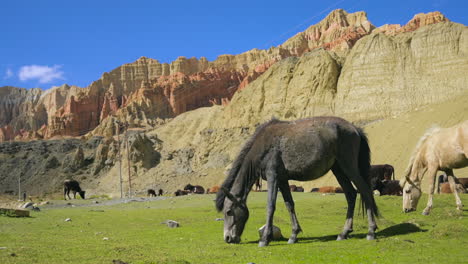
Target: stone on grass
(219, 219)
(276, 232)
(171, 223)
(105, 238)
(68, 220)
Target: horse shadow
(395, 230)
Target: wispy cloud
(8, 74)
(43, 73)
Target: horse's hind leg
(350, 194)
(352, 172)
(453, 186)
(289, 202)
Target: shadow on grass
(395, 230)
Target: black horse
(299, 150)
(151, 192)
(74, 186)
(197, 189)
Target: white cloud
(8, 74)
(43, 73)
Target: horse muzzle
(232, 239)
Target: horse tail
(367, 197)
(239, 163)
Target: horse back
(72, 185)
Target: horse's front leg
(289, 202)
(272, 194)
(431, 175)
(453, 186)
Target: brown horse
(300, 150)
(442, 149)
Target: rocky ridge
(381, 77)
(183, 85)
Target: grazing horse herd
(307, 149)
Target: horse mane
(416, 151)
(238, 162)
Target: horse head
(411, 194)
(82, 194)
(236, 215)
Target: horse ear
(230, 196)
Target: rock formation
(146, 90)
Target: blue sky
(47, 43)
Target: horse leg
(65, 193)
(353, 174)
(432, 171)
(453, 186)
(272, 179)
(289, 202)
(74, 194)
(350, 194)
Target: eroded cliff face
(132, 91)
(388, 75)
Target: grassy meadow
(135, 233)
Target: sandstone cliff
(185, 84)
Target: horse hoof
(262, 244)
(425, 213)
(370, 237)
(292, 240)
(340, 237)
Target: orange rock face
(416, 22)
(146, 90)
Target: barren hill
(188, 119)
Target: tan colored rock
(385, 76)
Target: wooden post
(19, 187)
(128, 162)
(120, 158)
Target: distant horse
(258, 184)
(330, 189)
(160, 192)
(197, 189)
(445, 188)
(213, 189)
(391, 187)
(151, 192)
(295, 188)
(442, 149)
(181, 192)
(74, 186)
(381, 172)
(301, 150)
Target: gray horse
(301, 150)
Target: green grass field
(135, 233)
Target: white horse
(442, 149)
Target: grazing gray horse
(301, 150)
